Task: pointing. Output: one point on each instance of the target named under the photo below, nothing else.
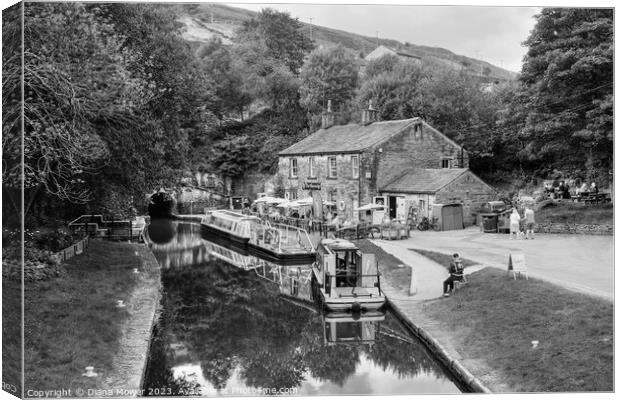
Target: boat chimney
(327, 119)
(370, 115)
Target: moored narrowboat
(272, 242)
(345, 278)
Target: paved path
(583, 263)
(129, 363)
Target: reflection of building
(353, 164)
(347, 328)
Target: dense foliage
(118, 104)
(566, 101)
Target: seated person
(593, 188)
(456, 274)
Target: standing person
(515, 218)
(456, 274)
(529, 222)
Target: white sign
(517, 264)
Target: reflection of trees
(158, 371)
(218, 370)
(332, 363)
(405, 359)
(275, 370)
(229, 318)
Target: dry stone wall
(554, 227)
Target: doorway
(392, 206)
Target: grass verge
(576, 213)
(72, 321)
(495, 318)
(391, 268)
(443, 259)
(11, 337)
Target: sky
(492, 34)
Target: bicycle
(425, 224)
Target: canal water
(234, 325)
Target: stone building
(383, 50)
(356, 164)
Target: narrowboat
(272, 242)
(345, 278)
(229, 225)
(351, 328)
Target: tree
(394, 87)
(73, 78)
(270, 50)
(567, 81)
(227, 80)
(328, 74)
(281, 35)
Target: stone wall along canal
(232, 325)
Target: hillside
(204, 21)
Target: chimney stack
(370, 115)
(327, 119)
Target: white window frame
(448, 161)
(332, 173)
(293, 168)
(355, 167)
(311, 167)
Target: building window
(417, 131)
(291, 194)
(446, 163)
(355, 166)
(312, 167)
(331, 167)
(293, 168)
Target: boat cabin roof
(339, 244)
(233, 216)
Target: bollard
(413, 287)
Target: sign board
(516, 264)
(311, 186)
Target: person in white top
(515, 218)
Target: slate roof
(350, 138)
(423, 180)
(402, 53)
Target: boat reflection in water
(234, 325)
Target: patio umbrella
(270, 200)
(306, 201)
(370, 207)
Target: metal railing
(358, 280)
(73, 250)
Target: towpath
(583, 263)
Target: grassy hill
(204, 21)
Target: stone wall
(416, 147)
(552, 227)
(468, 190)
(194, 201)
(251, 184)
(343, 188)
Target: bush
(55, 240)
